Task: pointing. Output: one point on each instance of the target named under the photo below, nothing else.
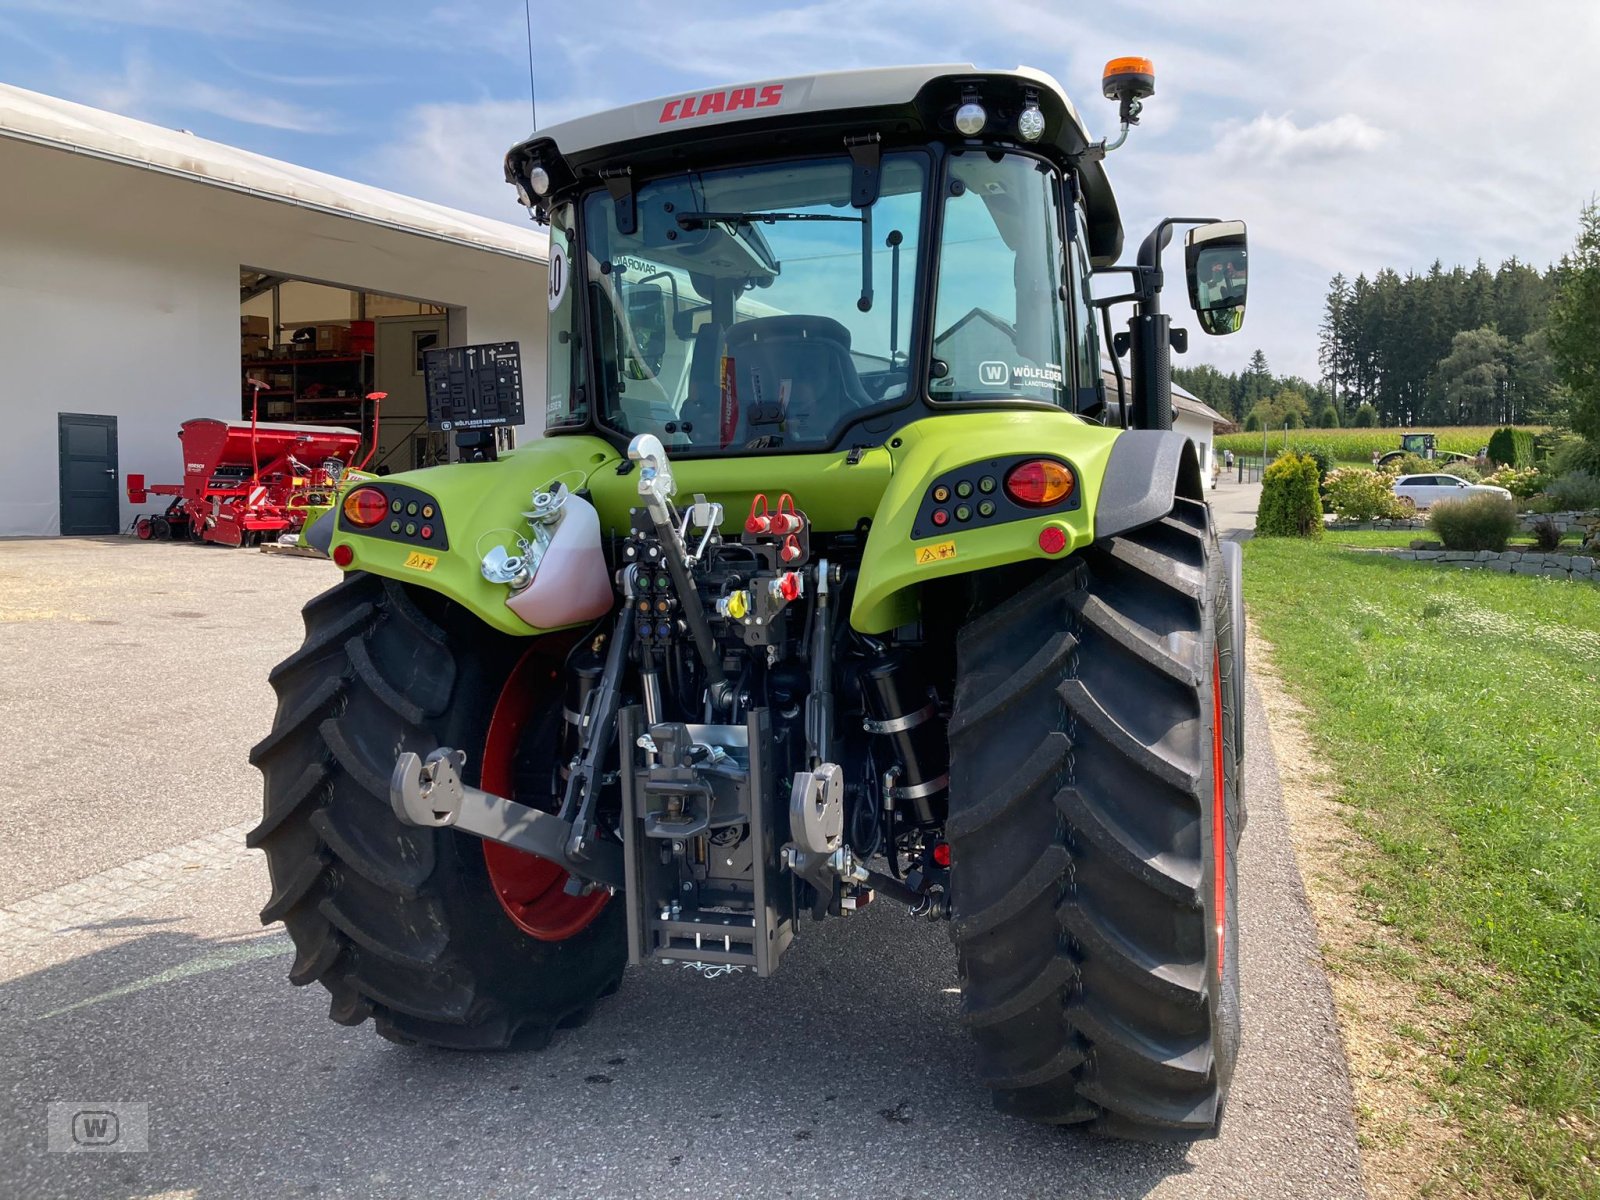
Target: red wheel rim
(1219, 800)
(532, 890)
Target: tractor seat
(795, 377)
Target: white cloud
(1271, 141)
(149, 94)
(453, 154)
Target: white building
(1190, 416)
(128, 255)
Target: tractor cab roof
(807, 114)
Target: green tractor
(1424, 446)
(837, 580)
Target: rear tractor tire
(1094, 819)
(413, 927)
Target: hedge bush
(1510, 447)
(1481, 522)
(1354, 494)
(1290, 506)
(1577, 490)
(1574, 454)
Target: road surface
(133, 969)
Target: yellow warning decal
(418, 561)
(937, 552)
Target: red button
(940, 517)
(427, 531)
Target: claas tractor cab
(837, 581)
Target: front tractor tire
(416, 928)
(1093, 826)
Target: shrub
(1360, 495)
(1461, 470)
(1290, 506)
(1328, 418)
(1366, 417)
(1521, 482)
(1252, 423)
(1575, 454)
(1324, 454)
(1481, 522)
(1412, 464)
(1575, 490)
(1546, 535)
(1511, 447)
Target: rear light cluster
(364, 507)
(995, 491)
(1039, 483)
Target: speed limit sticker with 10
(558, 275)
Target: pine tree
(1332, 356)
(1574, 328)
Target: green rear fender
(479, 505)
(969, 446)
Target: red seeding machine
(243, 483)
(246, 482)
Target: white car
(1424, 491)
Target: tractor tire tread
(400, 924)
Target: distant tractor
(1423, 445)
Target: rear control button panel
(413, 519)
(974, 497)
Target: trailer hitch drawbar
(428, 793)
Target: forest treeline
(1449, 346)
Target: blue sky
(1375, 134)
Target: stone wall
(1509, 562)
(1565, 521)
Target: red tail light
(1039, 482)
(365, 506)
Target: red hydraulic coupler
(786, 520)
(758, 521)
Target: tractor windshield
(749, 308)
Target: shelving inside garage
(313, 345)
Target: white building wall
(119, 295)
(1200, 431)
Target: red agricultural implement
(245, 483)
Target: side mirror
(1215, 259)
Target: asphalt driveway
(133, 969)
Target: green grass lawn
(1461, 712)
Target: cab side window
(1085, 333)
